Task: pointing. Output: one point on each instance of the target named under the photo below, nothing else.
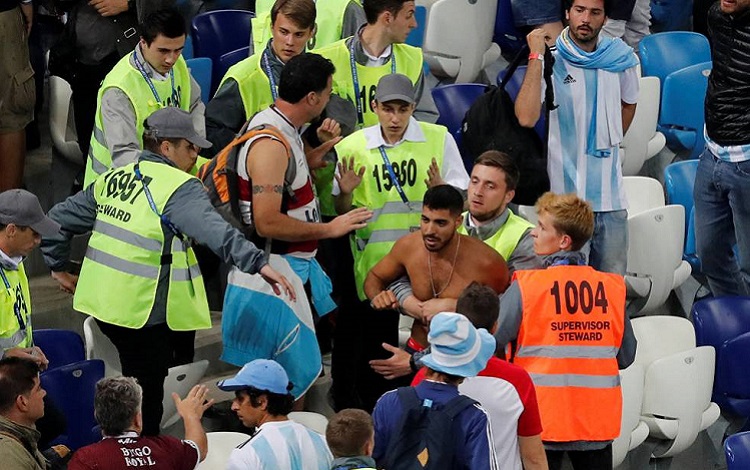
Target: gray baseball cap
(394, 87)
(174, 123)
(20, 207)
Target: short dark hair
(480, 304)
(607, 5)
(303, 74)
(16, 378)
(301, 12)
(373, 8)
(503, 161)
(444, 196)
(166, 21)
(348, 432)
(278, 404)
(116, 402)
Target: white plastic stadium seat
(642, 194)
(655, 241)
(220, 445)
(677, 384)
(180, 380)
(315, 421)
(458, 38)
(98, 346)
(404, 329)
(643, 141)
(633, 431)
(61, 122)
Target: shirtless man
(439, 261)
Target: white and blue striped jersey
(282, 445)
(593, 176)
(730, 153)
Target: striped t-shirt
(729, 153)
(597, 179)
(282, 444)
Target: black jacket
(728, 96)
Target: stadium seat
(452, 102)
(642, 141)
(315, 421)
(187, 51)
(180, 380)
(677, 383)
(724, 324)
(62, 126)
(61, 347)
(737, 451)
(71, 388)
(220, 445)
(513, 87)
(98, 346)
(229, 59)
(642, 193)
(200, 69)
(681, 119)
(671, 15)
(655, 265)
(679, 179)
(220, 31)
(458, 38)
(664, 53)
(633, 431)
(416, 36)
(506, 35)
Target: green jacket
(18, 447)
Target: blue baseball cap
(261, 374)
(457, 347)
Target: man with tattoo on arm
(277, 199)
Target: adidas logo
(568, 80)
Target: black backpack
(491, 124)
(425, 434)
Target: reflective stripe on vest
(127, 250)
(393, 218)
(506, 239)
(15, 298)
(126, 77)
(571, 329)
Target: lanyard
(269, 73)
(393, 175)
(165, 220)
(150, 83)
(16, 304)
(355, 79)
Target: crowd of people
(334, 211)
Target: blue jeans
(608, 247)
(722, 218)
(538, 12)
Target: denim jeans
(722, 218)
(608, 247)
(538, 12)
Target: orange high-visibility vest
(571, 330)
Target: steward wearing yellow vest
(140, 278)
(387, 168)
(153, 76)
(337, 19)
(251, 85)
(377, 50)
(571, 335)
(22, 223)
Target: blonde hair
(571, 216)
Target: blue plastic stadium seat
(737, 451)
(200, 69)
(452, 102)
(229, 59)
(679, 179)
(220, 31)
(416, 36)
(664, 53)
(513, 87)
(681, 118)
(724, 323)
(71, 388)
(506, 35)
(61, 347)
(187, 51)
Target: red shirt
(130, 452)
